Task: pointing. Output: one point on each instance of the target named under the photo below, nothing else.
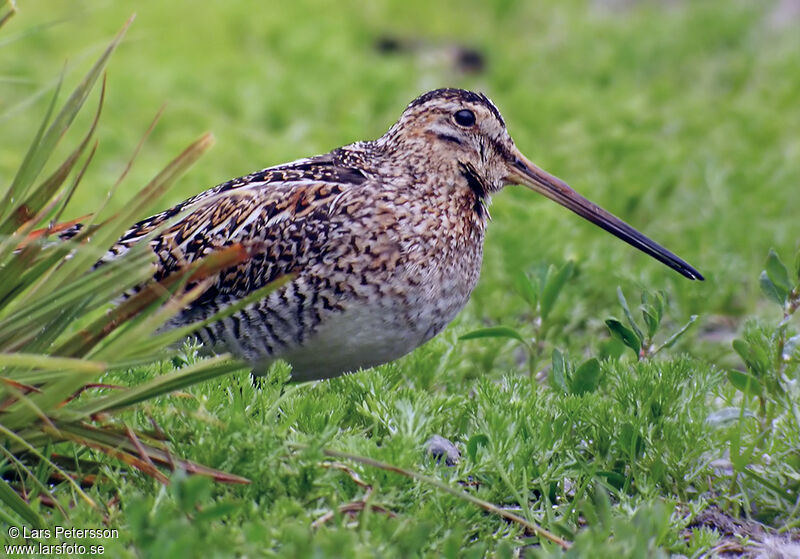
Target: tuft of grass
(62, 326)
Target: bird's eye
(465, 118)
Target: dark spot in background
(388, 45)
(461, 58)
(470, 60)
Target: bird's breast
(402, 276)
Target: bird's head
(464, 129)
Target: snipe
(384, 238)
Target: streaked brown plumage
(384, 237)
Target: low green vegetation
(603, 406)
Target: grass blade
(112, 229)
(171, 336)
(32, 477)
(48, 362)
(13, 501)
(38, 199)
(44, 144)
(26, 446)
(125, 448)
(151, 293)
(159, 386)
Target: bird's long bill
(522, 171)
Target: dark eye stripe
(465, 118)
(449, 138)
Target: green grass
(680, 118)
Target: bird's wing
(281, 215)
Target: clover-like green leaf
(745, 383)
(628, 315)
(625, 335)
(771, 290)
(529, 290)
(586, 377)
(777, 272)
(754, 357)
(677, 335)
(494, 332)
(651, 320)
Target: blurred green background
(680, 117)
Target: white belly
(362, 337)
